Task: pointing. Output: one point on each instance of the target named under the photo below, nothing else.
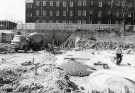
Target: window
(29, 14)
(64, 4)
(123, 3)
(109, 12)
(79, 21)
(37, 3)
(37, 12)
(44, 3)
(91, 3)
(84, 21)
(71, 13)
(117, 14)
(100, 4)
(84, 3)
(84, 12)
(129, 15)
(79, 12)
(109, 3)
(29, 5)
(51, 13)
(64, 13)
(91, 12)
(57, 13)
(44, 12)
(99, 14)
(51, 3)
(57, 3)
(118, 3)
(130, 5)
(71, 4)
(79, 3)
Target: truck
(34, 41)
(37, 41)
(20, 42)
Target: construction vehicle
(34, 41)
(37, 41)
(20, 42)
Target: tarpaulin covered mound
(104, 81)
(76, 68)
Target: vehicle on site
(20, 42)
(34, 41)
(38, 41)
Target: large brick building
(80, 11)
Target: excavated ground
(92, 72)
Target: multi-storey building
(7, 25)
(80, 11)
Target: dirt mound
(111, 82)
(76, 68)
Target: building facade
(7, 25)
(81, 11)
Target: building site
(69, 46)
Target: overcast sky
(12, 10)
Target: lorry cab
(20, 42)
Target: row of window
(52, 3)
(62, 21)
(64, 3)
(79, 13)
(64, 13)
(79, 3)
(78, 21)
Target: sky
(13, 10)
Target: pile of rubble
(97, 40)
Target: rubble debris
(31, 87)
(27, 63)
(104, 65)
(66, 85)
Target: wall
(68, 27)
